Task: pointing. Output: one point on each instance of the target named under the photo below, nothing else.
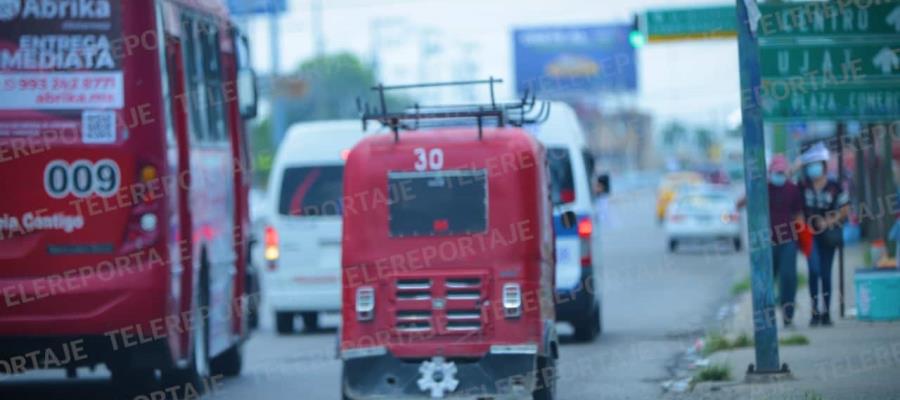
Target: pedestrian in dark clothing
(785, 214)
(825, 206)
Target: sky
(696, 82)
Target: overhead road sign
(689, 23)
(831, 60)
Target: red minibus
(124, 218)
(448, 258)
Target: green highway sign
(859, 63)
(863, 104)
(836, 59)
(864, 20)
(689, 23)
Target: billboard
(559, 61)
(247, 7)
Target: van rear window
(441, 203)
(311, 191)
(562, 183)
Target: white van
(577, 247)
(302, 238)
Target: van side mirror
(569, 219)
(603, 180)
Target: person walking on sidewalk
(785, 213)
(825, 206)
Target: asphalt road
(655, 305)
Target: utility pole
(317, 30)
(764, 322)
(278, 122)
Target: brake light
(143, 223)
(270, 243)
(676, 218)
(729, 218)
(512, 300)
(365, 303)
(585, 228)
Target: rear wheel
(132, 382)
(284, 322)
(546, 379)
(588, 328)
(228, 363)
(737, 244)
(310, 321)
(673, 245)
(190, 380)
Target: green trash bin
(877, 294)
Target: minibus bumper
(494, 376)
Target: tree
(704, 139)
(674, 133)
(333, 83)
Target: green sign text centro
(835, 60)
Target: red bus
(124, 219)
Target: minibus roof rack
(516, 113)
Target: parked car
(302, 235)
(703, 213)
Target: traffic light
(636, 37)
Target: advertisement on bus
(61, 57)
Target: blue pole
(764, 323)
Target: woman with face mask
(785, 212)
(825, 206)
(785, 215)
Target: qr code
(98, 127)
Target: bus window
(437, 203)
(194, 78)
(311, 191)
(212, 82)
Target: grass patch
(813, 396)
(715, 342)
(794, 340)
(743, 340)
(741, 287)
(712, 373)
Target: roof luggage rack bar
(479, 113)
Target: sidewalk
(852, 360)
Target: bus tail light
(143, 222)
(512, 300)
(365, 303)
(270, 247)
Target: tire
(228, 363)
(737, 244)
(546, 369)
(587, 329)
(191, 380)
(673, 245)
(133, 382)
(310, 321)
(284, 322)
